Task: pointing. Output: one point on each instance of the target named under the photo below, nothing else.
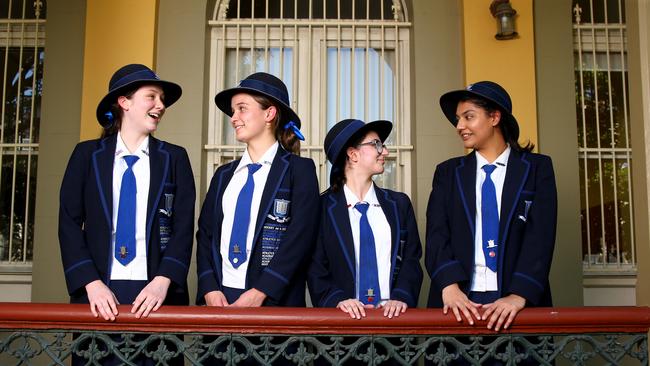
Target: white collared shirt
(137, 268)
(236, 277)
(484, 279)
(381, 232)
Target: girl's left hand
(394, 308)
(503, 310)
(151, 297)
(249, 299)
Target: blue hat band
(142, 74)
(342, 138)
(265, 88)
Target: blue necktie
(125, 230)
(489, 219)
(369, 292)
(241, 221)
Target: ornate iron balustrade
(42, 334)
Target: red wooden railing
(195, 319)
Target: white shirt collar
(266, 159)
(352, 199)
(501, 160)
(121, 149)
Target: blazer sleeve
(409, 279)
(205, 266)
(78, 265)
(440, 262)
(175, 262)
(530, 277)
(301, 232)
(322, 288)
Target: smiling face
(250, 121)
(143, 110)
(477, 128)
(364, 156)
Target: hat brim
(224, 98)
(381, 127)
(449, 104)
(171, 90)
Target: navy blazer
(85, 216)
(333, 269)
(283, 277)
(526, 227)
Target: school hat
(264, 84)
(489, 90)
(342, 134)
(128, 78)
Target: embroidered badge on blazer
(281, 209)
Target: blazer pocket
(166, 214)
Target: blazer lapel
(158, 168)
(389, 206)
(466, 182)
(337, 210)
(273, 181)
(103, 159)
(516, 175)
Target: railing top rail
(268, 320)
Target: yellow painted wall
(510, 63)
(118, 32)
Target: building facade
(373, 59)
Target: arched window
(339, 58)
(22, 42)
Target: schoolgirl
(257, 223)
(127, 204)
(368, 249)
(491, 216)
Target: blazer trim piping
(534, 281)
(276, 274)
(152, 214)
(434, 274)
(175, 261)
(462, 196)
(408, 295)
(78, 264)
(338, 234)
(331, 295)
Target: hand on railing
(102, 300)
(503, 310)
(456, 300)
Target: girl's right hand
(102, 300)
(215, 298)
(354, 307)
(455, 299)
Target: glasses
(376, 143)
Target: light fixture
(505, 16)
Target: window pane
(359, 83)
(623, 174)
(240, 64)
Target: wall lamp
(505, 16)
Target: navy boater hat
(488, 90)
(128, 78)
(343, 133)
(267, 85)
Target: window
(339, 58)
(22, 41)
(605, 153)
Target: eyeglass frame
(379, 146)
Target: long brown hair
(285, 136)
(337, 176)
